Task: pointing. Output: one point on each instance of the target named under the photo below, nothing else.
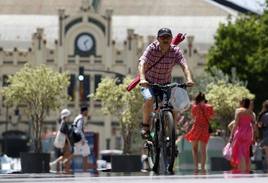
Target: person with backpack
(263, 129)
(81, 147)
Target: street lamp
(81, 73)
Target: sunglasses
(164, 37)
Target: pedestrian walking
(82, 147)
(65, 153)
(202, 113)
(263, 129)
(254, 125)
(242, 136)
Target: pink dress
(201, 114)
(242, 140)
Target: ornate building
(103, 41)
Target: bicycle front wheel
(169, 141)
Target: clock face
(84, 42)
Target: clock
(84, 42)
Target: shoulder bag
(210, 130)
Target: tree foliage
(225, 98)
(243, 45)
(126, 106)
(39, 89)
(214, 77)
(224, 92)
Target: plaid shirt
(161, 72)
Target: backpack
(259, 130)
(74, 133)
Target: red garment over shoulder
(201, 113)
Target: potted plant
(126, 106)
(38, 89)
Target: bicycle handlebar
(168, 86)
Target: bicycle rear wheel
(168, 147)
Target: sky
(253, 5)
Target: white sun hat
(65, 113)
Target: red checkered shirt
(161, 72)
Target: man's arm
(141, 69)
(187, 74)
(182, 62)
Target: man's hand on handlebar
(144, 83)
(189, 83)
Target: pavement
(106, 177)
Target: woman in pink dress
(199, 134)
(242, 137)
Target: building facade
(103, 41)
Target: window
(71, 87)
(22, 62)
(97, 81)
(50, 60)
(84, 89)
(5, 80)
(119, 61)
(97, 61)
(7, 62)
(71, 61)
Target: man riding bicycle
(160, 57)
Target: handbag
(179, 99)
(175, 41)
(82, 149)
(227, 151)
(74, 133)
(60, 139)
(210, 130)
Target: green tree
(223, 91)
(225, 98)
(243, 45)
(214, 77)
(126, 106)
(38, 89)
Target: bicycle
(161, 146)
